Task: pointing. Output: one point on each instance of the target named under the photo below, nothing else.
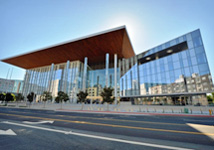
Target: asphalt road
(102, 131)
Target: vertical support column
(66, 77)
(119, 76)
(138, 76)
(50, 78)
(107, 66)
(115, 77)
(38, 81)
(24, 85)
(84, 74)
(30, 81)
(76, 80)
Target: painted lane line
(93, 118)
(7, 132)
(113, 125)
(98, 137)
(40, 122)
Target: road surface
(47, 129)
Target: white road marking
(97, 137)
(7, 132)
(203, 129)
(40, 122)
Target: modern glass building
(11, 86)
(176, 72)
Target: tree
(10, 97)
(209, 98)
(2, 96)
(30, 97)
(107, 95)
(82, 97)
(19, 97)
(46, 96)
(61, 97)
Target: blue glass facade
(178, 67)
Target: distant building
(175, 72)
(12, 86)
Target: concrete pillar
(84, 74)
(115, 77)
(107, 67)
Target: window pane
(204, 69)
(201, 58)
(185, 63)
(176, 65)
(190, 44)
(197, 41)
(195, 33)
(199, 50)
(192, 52)
(175, 57)
(184, 55)
(194, 61)
(177, 73)
(195, 69)
(187, 72)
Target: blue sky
(27, 25)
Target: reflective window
(167, 45)
(185, 63)
(181, 39)
(201, 58)
(195, 69)
(194, 60)
(172, 43)
(176, 65)
(184, 37)
(195, 33)
(177, 73)
(188, 36)
(197, 41)
(199, 50)
(171, 66)
(190, 44)
(183, 54)
(192, 52)
(175, 57)
(204, 69)
(187, 72)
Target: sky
(28, 25)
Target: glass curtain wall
(186, 71)
(66, 77)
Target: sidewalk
(123, 109)
(134, 113)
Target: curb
(132, 113)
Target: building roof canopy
(115, 41)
